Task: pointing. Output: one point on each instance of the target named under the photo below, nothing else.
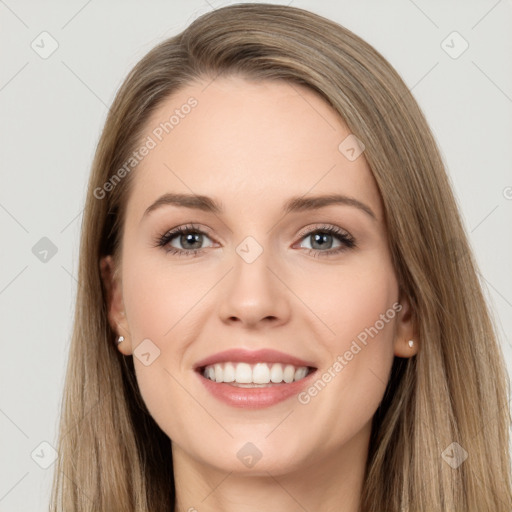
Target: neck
(333, 481)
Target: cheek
(364, 311)
(353, 302)
(357, 331)
(158, 300)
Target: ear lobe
(114, 298)
(405, 331)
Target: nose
(255, 293)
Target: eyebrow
(295, 204)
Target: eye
(189, 237)
(323, 237)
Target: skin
(252, 146)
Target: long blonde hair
(112, 454)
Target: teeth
(276, 373)
(289, 373)
(243, 373)
(300, 373)
(229, 372)
(259, 373)
(219, 373)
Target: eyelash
(348, 242)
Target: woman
(323, 343)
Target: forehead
(259, 142)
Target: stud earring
(120, 339)
(411, 343)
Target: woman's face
(275, 268)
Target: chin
(253, 458)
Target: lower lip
(254, 398)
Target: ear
(405, 331)
(111, 278)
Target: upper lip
(238, 355)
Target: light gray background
(52, 111)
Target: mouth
(254, 379)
